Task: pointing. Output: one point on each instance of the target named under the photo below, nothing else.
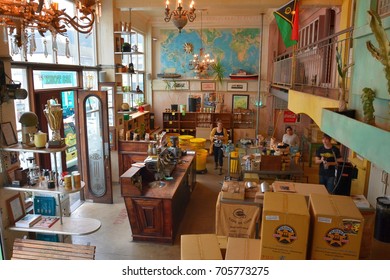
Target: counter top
(169, 189)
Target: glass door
(95, 145)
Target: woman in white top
(290, 138)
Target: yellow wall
(309, 104)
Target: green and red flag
(287, 19)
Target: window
(308, 34)
(383, 7)
(21, 105)
(54, 79)
(74, 48)
(137, 57)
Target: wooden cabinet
(130, 152)
(175, 122)
(155, 213)
(243, 119)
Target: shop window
(384, 7)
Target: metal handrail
(315, 64)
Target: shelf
(128, 53)
(130, 92)
(135, 73)
(39, 188)
(24, 148)
(124, 32)
(69, 226)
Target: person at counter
(290, 138)
(218, 137)
(327, 157)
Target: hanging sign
(289, 117)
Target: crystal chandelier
(201, 62)
(180, 17)
(24, 17)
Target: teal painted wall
(368, 72)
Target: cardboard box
(284, 226)
(200, 247)
(271, 163)
(300, 188)
(237, 219)
(222, 242)
(336, 228)
(243, 249)
(368, 213)
(233, 190)
(251, 177)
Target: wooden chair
(30, 249)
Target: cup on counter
(76, 179)
(68, 182)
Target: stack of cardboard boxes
(298, 222)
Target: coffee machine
(175, 149)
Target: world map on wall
(235, 48)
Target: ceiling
(153, 10)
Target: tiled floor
(113, 240)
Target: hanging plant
(367, 98)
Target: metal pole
(259, 83)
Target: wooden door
(95, 145)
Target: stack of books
(46, 222)
(28, 220)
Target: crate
(271, 163)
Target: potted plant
(218, 71)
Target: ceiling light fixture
(20, 16)
(201, 62)
(180, 17)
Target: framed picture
(112, 137)
(240, 101)
(8, 133)
(178, 85)
(15, 208)
(208, 86)
(237, 86)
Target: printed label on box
(272, 218)
(324, 220)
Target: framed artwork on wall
(240, 101)
(208, 86)
(8, 133)
(237, 86)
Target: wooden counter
(155, 213)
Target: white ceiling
(153, 10)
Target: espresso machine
(175, 149)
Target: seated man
(290, 138)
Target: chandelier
(180, 17)
(201, 62)
(23, 15)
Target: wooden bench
(29, 249)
